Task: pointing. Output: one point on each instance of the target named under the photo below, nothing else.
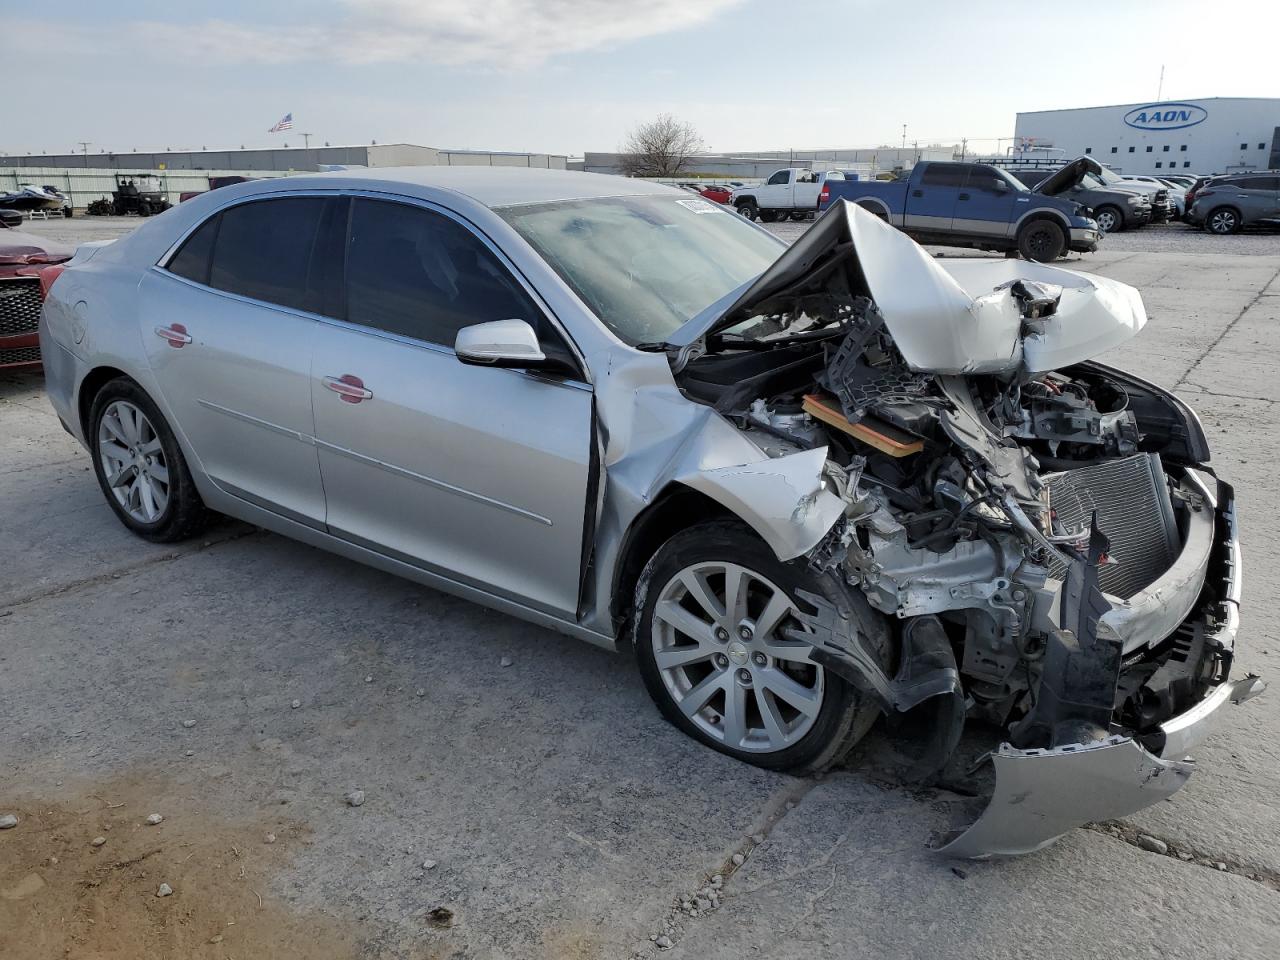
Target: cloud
(495, 32)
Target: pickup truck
(973, 205)
(792, 191)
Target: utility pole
(1160, 88)
(306, 141)
(964, 146)
(904, 136)
(84, 145)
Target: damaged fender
(784, 499)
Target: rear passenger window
(944, 174)
(419, 274)
(264, 251)
(192, 259)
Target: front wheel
(721, 652)
(1042, 241)
(140, 466)
(749, 209)
(1109, 219)
(1222, 221)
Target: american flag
(286, 123)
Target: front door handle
(917, 193)
(964, 196)
(349, 388)
(176, 335)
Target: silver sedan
(811, 485)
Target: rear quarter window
(192, 259)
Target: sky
(568, 76)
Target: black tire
(845, 714)
(749, 209)
(144, 210)
(1223, 221)
(1111, 217)
(769, 216)
(185, 514)
(1042, 240)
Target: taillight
(47, 276)
(825, 195)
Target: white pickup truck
(792, 192)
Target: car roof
(497, 186)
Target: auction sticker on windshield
(698, 206)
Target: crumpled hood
(956, 316)
(17, 247)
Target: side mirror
(1001, 186)
(499, 343)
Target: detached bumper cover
(1040, 794)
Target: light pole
(306, 141)
(84, 145)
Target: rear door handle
(964, 196)
(917, 193)
(176, 335)
(349, 388)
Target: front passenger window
(419, 274)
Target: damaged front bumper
(1040, 794)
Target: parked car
(973, 205)
(1113, 208)
(1226, 204)
(791, 192)
(717, 192)
(1175, 190)
(810, 484)
(28, 265)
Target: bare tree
(659, 148)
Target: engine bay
(1013, 509)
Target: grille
(20, 355)
(1131, 497)
(19, 306)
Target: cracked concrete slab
(847, 875)
(1243, 361)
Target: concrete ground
(542, 808)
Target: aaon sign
(1165, 116)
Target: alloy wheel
(724, 641)
(133, 461)
(1222, 221)
(1106, 221)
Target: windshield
(645, 265)
(1110, 177)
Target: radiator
(1131, 497)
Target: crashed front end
(1044, 531)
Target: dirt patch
(64, 896)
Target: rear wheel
(1222, 221)
(1109, 219)
(749, 209)
(140, 466)
(719, 647)
(1042, 240)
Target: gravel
(8, 821)
(154, 819)
(164, 890)
(1152, 844)
(355, 798)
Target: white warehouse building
(1214, 135)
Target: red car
(28, 267)
(717, 192)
